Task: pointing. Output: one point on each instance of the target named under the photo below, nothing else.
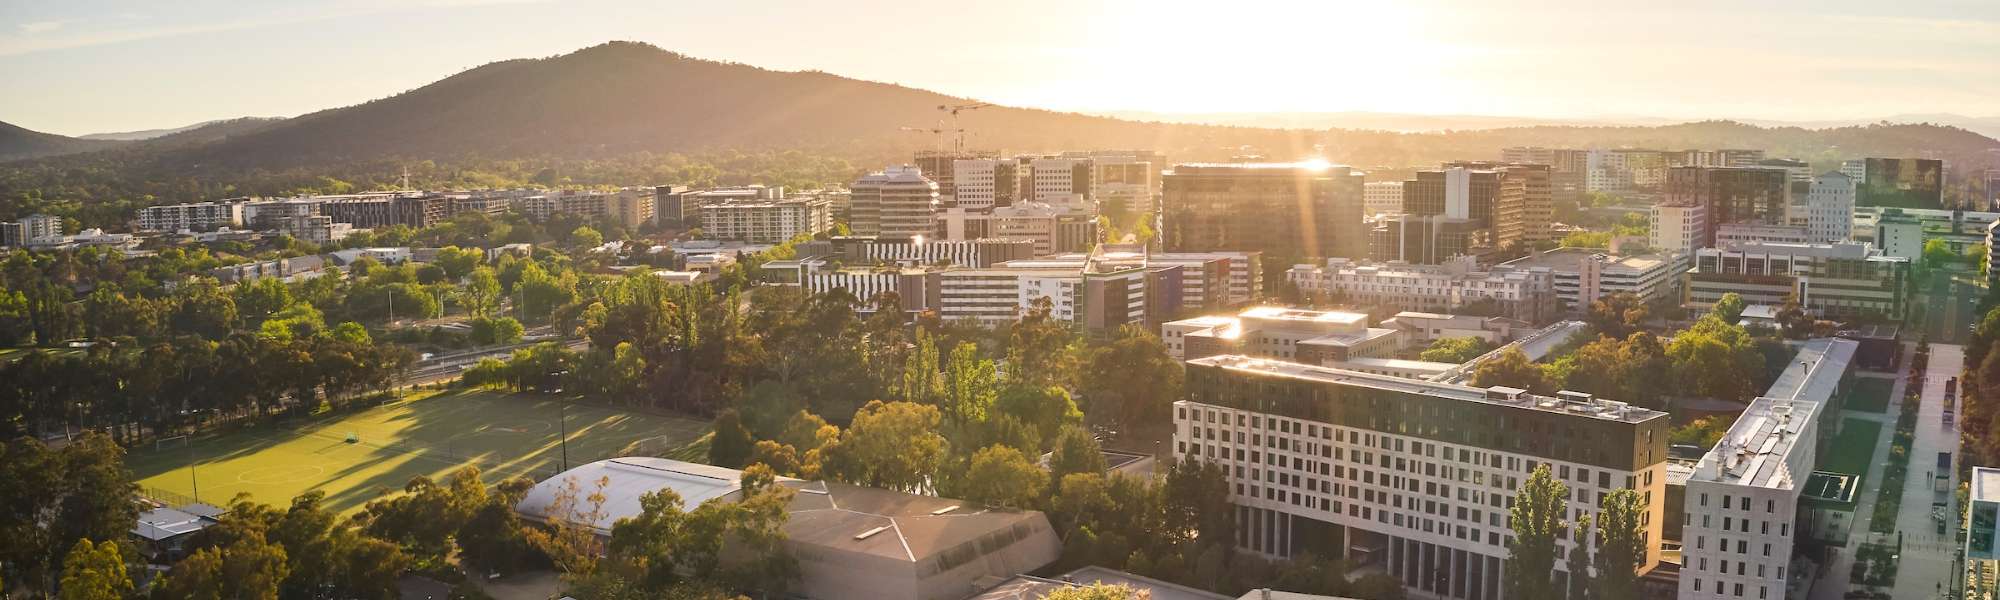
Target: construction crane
(959, 141)
(939, 132)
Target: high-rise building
(1280, 209)
(1567, 169)
(1855, 169)
(1731, 194)
(1455, 191)
(1830, 209)
(1124, 185)
(1051, 228)
(1681, 229)
(898, 201)
(1412, 476)
(33, 228)
(983, 183)
(1420, 239)
(635, 207)
(1901, 183)
(1061, 181)
(940, 166)
(1382, 197)
(1525, 209)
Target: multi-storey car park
(1411, 477)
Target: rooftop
(1815, 372)
(1593, 408)
(167, 523)
(1570, 259)
(1985, 484)
(828, 516)
(1757, 449)
(1280, 313)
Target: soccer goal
(170, 443)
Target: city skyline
(1846, 60)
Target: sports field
(503, 434)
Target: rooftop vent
(944, 510)
(870, 533)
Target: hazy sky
(84, 66)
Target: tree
(923, 382)
(1132, 381)
(732, 445)
(494, 332)
(95, 572)
(585, 237)
(1378, 586)
(56, 497)
(1511, 368)
(1076, 451)
(481, 293)
(1537, 518)
(892, 445)
(1617, 315)
(1002, 477)
(1044, 410)
(1729, 307)
(249, 568)
(1195, 503)
(971, 385)
(1455, 350)
(1577, 567)
(1937, 253)
(261, 297)
(666, 548)
(1621, 544)
(202, 308)
(457, 262)
(1040, 349)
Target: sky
(89, 66)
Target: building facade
(1830, 209)
(1412, 477)
(1730, 194)
(767, 221)
(1837, 281)
(898, 201)
(1382, 197)
(199, 216)
(1291, 210)
(1527, 294)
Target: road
(449, 366)
(1928, 557)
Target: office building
(1382, 197)
(1982, 526)
(1210, 279)
(916, 289)
(1735, 234)
(1567, 169)
(865, 250)
(199, 216)
(1901, 183)
(1124, 185)
(1830, 209)
(982, 183)
(941, 166)
(1585, 275)
(1113, 286)
(850, 542)
(637, 207)
(1420, 239)
(1795, 170)
(1741, 519)
(1279, 209)
(1410, 477)
(1526, 294)
(1898, 233)
(1052, 228)
(674, 204)
(1061, 181)
(1313, 337)
(1719, 158)
(1730, 194)
(1456, 192)
(898, 201)
(1681, 229)
(767, 221)
(1832, 281)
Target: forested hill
(17, 143)
(630, 113)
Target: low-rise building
(1831, 280)
(1306, 336)
(851, 542)
(1523, 293)
(1052, 228)
(198, 216)
(1584, 275)
(1422, 328)
(30, 230)
(860, 249)
(1731, 235)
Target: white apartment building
(1583, 275)
(32, 229)
(767, 221)
(1855, 169)
(898, 201)
(1742, 502)
(1527, 294)
(1415, 477)
(1381, 197)
(1239, 280)
(199, 216)
(1830, 209)
(1681, 229)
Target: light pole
(192, 479)
(563, 426)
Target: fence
(166, 498)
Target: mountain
(18, 143)
(1376, 121)
(145, 134)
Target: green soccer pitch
(504, 434)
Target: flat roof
(1815, 371)
(168, 523)
(1599, 409)
(1569, 258)
(1350, 339)
(1303, 315)
(1757, 449)
(1985, 484)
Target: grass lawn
(503, 434)
(1870, 394)
(1853, 450)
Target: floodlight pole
(563, 425)
(192, 479)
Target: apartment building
(1735, 234)
(1523, 293)
(385, 209)
(766, 221)
(917, 251)
(1112, 287)
(1279, 209)
(916, 289)
(1062, 181)
(32, 229)
(1742, 513)
(265, 215)
(1124, 185)
(199, 216)
(1584, 275)
(941, 166)
(897, 201)
(1209, 279)
(1382, 197)
(1727, 157)
(1411, 477)
(1836, 281)
(636, 207)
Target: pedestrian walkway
(1833, 576)
(1928, 557)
